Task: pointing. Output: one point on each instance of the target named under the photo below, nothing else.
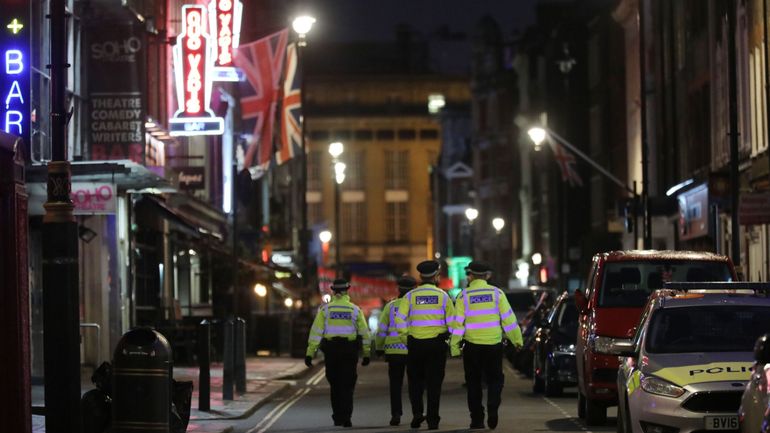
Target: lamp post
(498, 224)
(471, 214)
(335, 150)
(302, 26)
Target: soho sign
(93, 198)
(14, 70)
(193, 61)
(225, 26)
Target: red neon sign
(192, 69)
(225, 26)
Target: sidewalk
(265, 377)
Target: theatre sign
(193, 75)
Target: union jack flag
(566, 161)
(291, 118)
(262, 63)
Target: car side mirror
(581, 302)
(623, 348)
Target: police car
(691, 357)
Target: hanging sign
(15, 69)
(193, 63)
(225, 25)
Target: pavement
(266, 377)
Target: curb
(305, 372)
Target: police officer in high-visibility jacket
(339, 329)
(389, 343)
(482, 315)
(427, 312)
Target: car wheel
(581, 406)
(552, 386)
(596, 413)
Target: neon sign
(14, 72)
(225, 24)
(193, 64)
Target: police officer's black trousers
(425, 367)
(341, 357)
(396, 369)
(482, 360)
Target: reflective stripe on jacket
(482, 315)
(387, 333)
(338, 318)
(427, 312)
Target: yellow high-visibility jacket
(338, 318)
(482, 314)
(387, 338)
(427, 313)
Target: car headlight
(601, 344)
(564, 348)
(656, 385)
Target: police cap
(428, 268)
(406, 283)
(340, 285)
(478, 268)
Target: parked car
(538, 301)
(554, 364)
(754, 413)
(618, 287)
(690, 358)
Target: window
(385, 134)
(396, 169)
(407, 134)
(314, 170)
(353, 222)
(342, 135)
(429, 134)
(319, 135)
(354, 170)
(396, 221)
(364, 134)
(314, 213)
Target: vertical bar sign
(225, 24)
(14, 69)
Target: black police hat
(478, 268)
(428, 268)
(406, 282)
(340, 285)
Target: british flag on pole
(566, 161)
(262, 62)
(291, 116)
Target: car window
(568, 316)
(707, 329)
(591, 280)
(520, 301)
(629, 283)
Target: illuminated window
(354, 222)
(354, 171)
(396, 221)
(396, 169)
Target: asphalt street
(305, 406)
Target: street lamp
(537, 135)
(471, 214)
(335, 150)
(498, 223)
(260, 290)
(288, 302)
(325, 236)
(302, 25)
(537, 259)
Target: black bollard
(240, 355)
(228, 355)
(204, 365)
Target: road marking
(286, 405)
(272, 412)
(566, 414)
(318, 377)
(315, 377)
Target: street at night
(258, 216)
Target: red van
(616, 291)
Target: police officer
(423, 320)
(389, 343)
(482, 315)
(339, 328)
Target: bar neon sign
(225, 24)
(193, 64)
(14, 75)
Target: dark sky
(375, 20)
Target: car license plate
(727, 422)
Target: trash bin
(141, 387)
